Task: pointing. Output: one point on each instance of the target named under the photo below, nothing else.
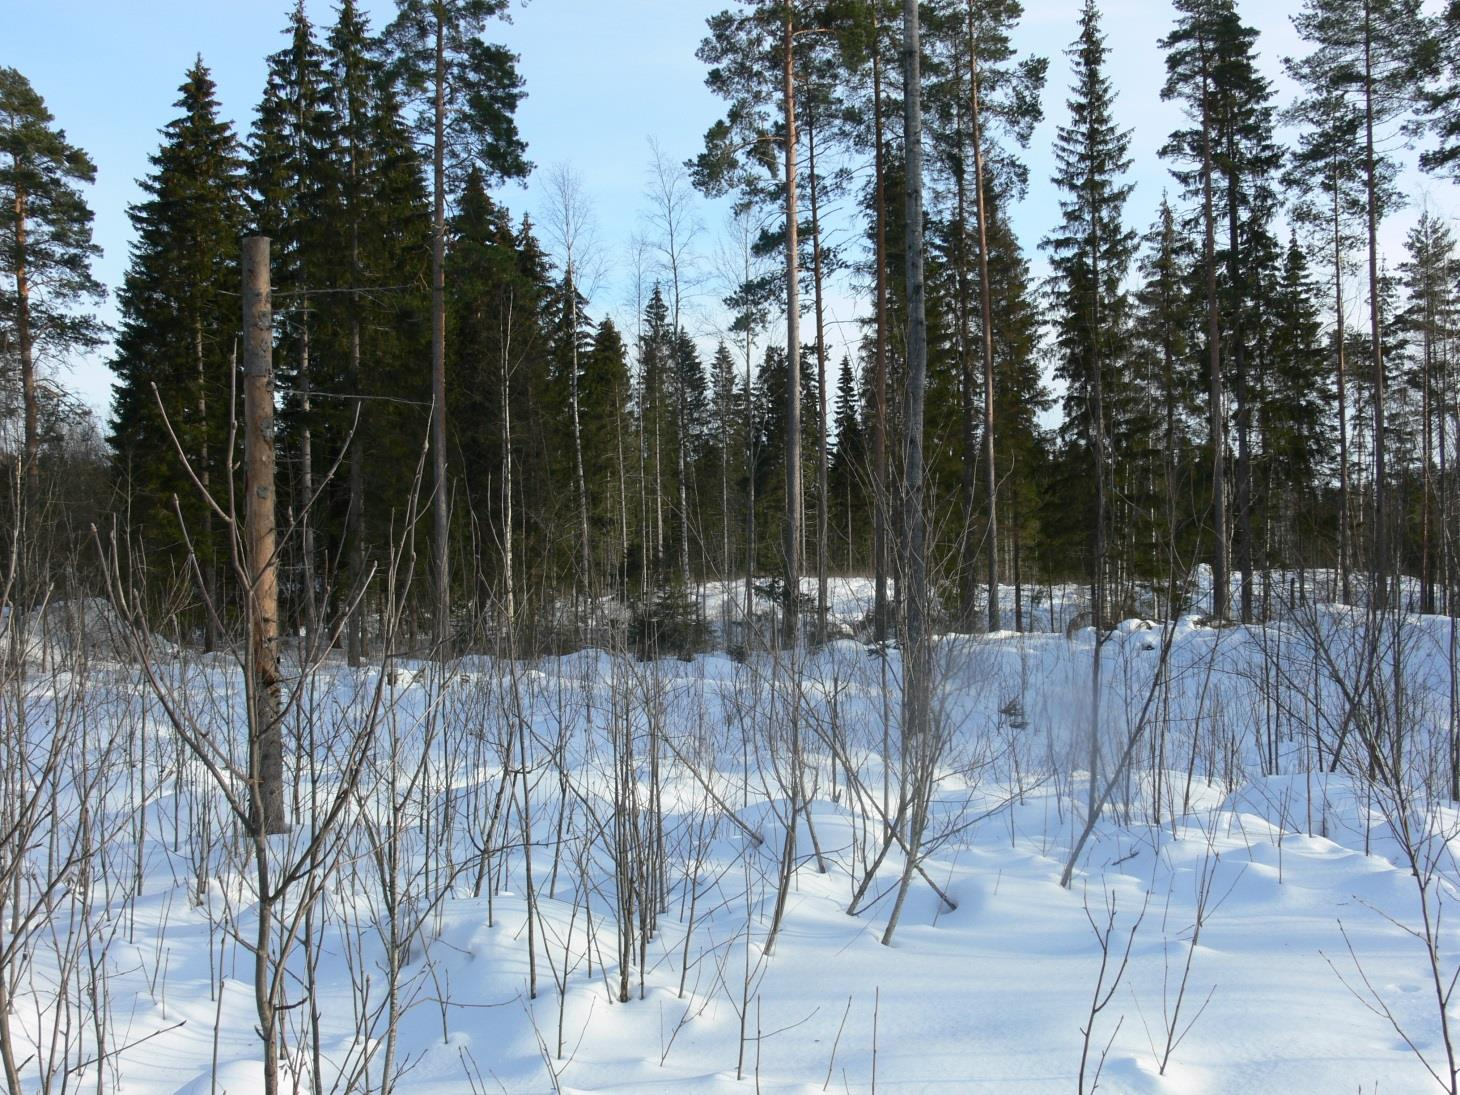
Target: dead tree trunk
(266, 740)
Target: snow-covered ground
(1262, 919)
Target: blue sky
(602, 77)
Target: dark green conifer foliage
(1167, 375)
(292, 191)
(604, 393)
(1211, 66)
(1296, 411)
(469, 90)
(850, 476)
(179, 326)
(371, 326)
(502, 312)
(1438, 59)
(1430, 272)
(1090, 252)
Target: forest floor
(1240, 919)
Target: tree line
(1239, 377)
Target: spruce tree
(849, 467)
(723, 417)
(378, 236)
(178, 332)
(1430, 272)
(1090, 252)
(1021, 396)
(1296, 424)
(45, 248)
(1162, 329)
(604, 391)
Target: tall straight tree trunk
(1244, 410)
(580, 480)
(1345, 542)
(207, 566)
(1380, 580)
(823, 499)
(356, 647)
(789, 623)
(355, 522)
(509, 577)
(440, 502)
(1221, 583)
(725, 412)
(1102, 505)
(880, 499)
(681, 473)
(32, 439)
(914, 531)
(917, 652)
(967, 479)
(306, 480)
(1426, 565)
(266, 739)
(750, 545)
(985, 293)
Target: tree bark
(789, 621)
(1243, 408)
(1220, 565)
(1380, 582)
(1345, 543)
(29, 396)
(985, 293)
(823, 500)
(440, 500)
(914, 532)
(881, 614)
(266, 737)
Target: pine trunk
(789, 622)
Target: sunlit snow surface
(1306, 936)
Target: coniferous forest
(469, 654)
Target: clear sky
(602, 76)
